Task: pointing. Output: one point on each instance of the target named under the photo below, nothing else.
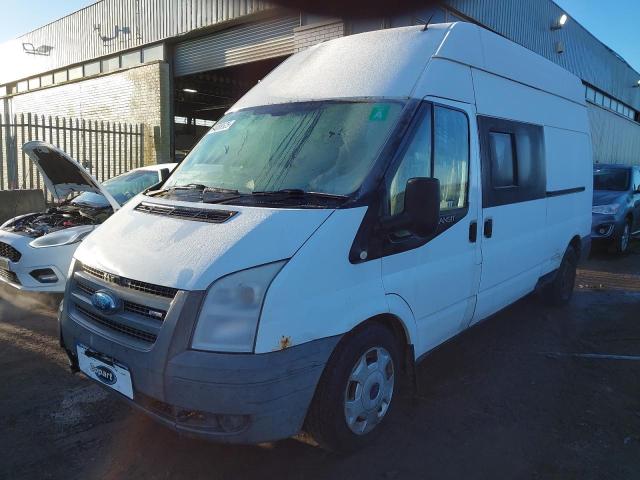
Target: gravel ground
(532, 392)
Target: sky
(22, 16)
(614, 22)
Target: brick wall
(136, 95)
(308, 35)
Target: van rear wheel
(356, 390)
(560, 290)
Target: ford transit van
(371, 198)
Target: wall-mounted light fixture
(41, 50)
(189, 90)
(560, 22)
(637, 84)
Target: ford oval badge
(105, 301)
(104, 374)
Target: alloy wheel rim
(369, 390)
(624, 241)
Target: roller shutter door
(242, 44)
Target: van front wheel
(560, 291)
(356, 389)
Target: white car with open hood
(372, 197)
(36, 249)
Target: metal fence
(105, 149)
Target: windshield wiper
(189, 186)
(219, 195)
(299, 193)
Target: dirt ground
(531, 393)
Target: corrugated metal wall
(615, 139)
(528, 22)
(77, 37)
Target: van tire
(326, 419)
(560, 290)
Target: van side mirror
(421, 213)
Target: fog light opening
(44, 275)
(604, 229)
(233, 423)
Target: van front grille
(7, 251)
(132, 307)
(116, 326)
(197, 214)
(145, 287)
(9, 276)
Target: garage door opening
(202, 98)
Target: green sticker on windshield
(379, 113)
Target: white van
(371, 198)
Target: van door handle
(488, 227)
(473, 231)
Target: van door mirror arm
(421, 214)
(393, 223)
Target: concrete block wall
(309, 35)
(136, 95)
(19, 202)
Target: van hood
(188, 254)
(62, 174)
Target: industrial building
(168, 69)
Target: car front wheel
(622, 243)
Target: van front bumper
(233, 398)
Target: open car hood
(62, 174)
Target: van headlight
(62, 237)
(610, 209)
(228, 320)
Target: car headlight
(610, 209)
(228, 320)
(62, 237)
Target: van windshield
(616, 179)
(326, 147)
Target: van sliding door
(513, 211)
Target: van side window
(504, 168)
(513, 161)
(451, 157)
(416, 162)
(447, 159)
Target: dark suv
(616, 205)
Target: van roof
(388, 64)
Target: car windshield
(616, 179)
(123, 188)
(326, 147)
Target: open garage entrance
(212, 72)
(202, 98)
